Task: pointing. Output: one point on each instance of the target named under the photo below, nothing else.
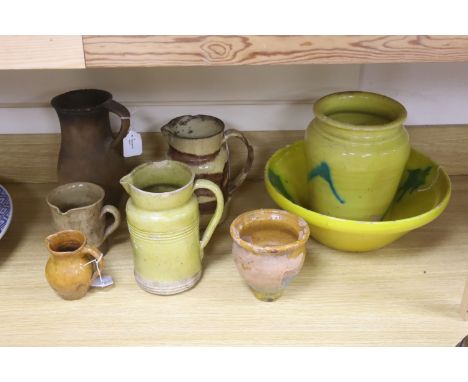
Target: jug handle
(208, 184)
(124, 114)
(98, 255)
(239, 179)
(112, 227)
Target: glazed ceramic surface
(6, 210)
(68, 269)
(89, 150)
(163, 221)
(269, 250)
(200, 141)
(79, 206)
(356, 149)
(422, 195)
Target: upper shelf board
(72, 52)
(147, 51)
(41, 52)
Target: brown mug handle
(115, 224)
(124, 114)
(97, 254)
(239, 179)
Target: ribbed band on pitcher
(163, 236)
(166, 288)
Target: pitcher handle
(239, 179)
(124, 114)
(108, 209)
(208, 184)
(98, 255)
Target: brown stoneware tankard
(89, 150)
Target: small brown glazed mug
(69, 269)
(79, 206)
(269, 248)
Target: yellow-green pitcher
(163, 221)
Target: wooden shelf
(64, 52)
(405, 294)
(141, 51)
(41, 52)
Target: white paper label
(132, 144)
(102, 282)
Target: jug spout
(126, 182)
(165, 130)
(180, 126)
(170, 128)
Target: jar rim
(393, 110)
(161, 166)
(173, 124)
(282, 217)
(81, 100)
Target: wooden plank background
(32, 158)
(139, 51)
(41, 52)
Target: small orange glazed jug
(69, 270)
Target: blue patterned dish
(6, 210)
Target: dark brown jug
(89, 150)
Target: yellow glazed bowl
(422, 195)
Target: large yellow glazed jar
(356, 151)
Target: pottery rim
(98, 188)
(321, 110)
(160, 164)
(80, 237)
(302, 234)
(173, 122)
(57, 101)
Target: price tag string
(97, 261)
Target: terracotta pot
(79, 206)
(89, 150)
(269, 249)
(68, 270)
(200, 141)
